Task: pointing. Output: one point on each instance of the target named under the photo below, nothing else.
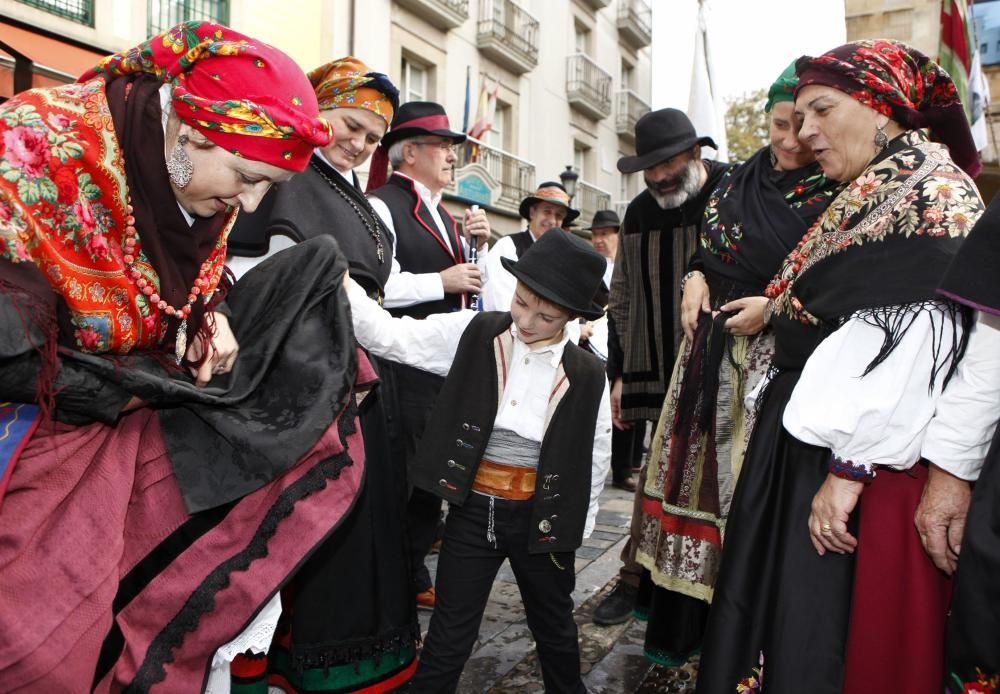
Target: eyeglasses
(443, 145)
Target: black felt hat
(563, 269)
(420, 118)
(604, 219)
(660, 135)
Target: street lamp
(569, 178)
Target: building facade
(570, 77)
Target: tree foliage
(746, 124)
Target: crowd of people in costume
(237, 390)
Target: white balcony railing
(588, 87)
(516, 175)
(635, 22)
(589, 199)
(508, 34)
(629, 108)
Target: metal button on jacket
(545, 526)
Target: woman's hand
(940, 517)
(831, 508)
(223, 350)
(694, 302)
(749, 318)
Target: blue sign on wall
(473, 188)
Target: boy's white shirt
(431, 343)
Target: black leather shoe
(617, 606)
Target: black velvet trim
(145, 571)
(202, 600)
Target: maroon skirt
(106, 581)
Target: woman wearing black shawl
(824, 586)
(757, 213)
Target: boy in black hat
(519, 444)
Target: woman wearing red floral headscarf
(173, 457)
(824, 585)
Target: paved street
(504, 659)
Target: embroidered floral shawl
(64, 207)
(885, 240)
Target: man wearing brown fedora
(656, 246)
(430, 274)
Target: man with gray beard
(657, 244)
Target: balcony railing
(589, 199)
(629, 109)
(164, 14)
(596, 4)
(619, 207)
(516, 175)
(635, 22)
(588, 87)
(508, 35)
(444, 14)
(81, 11)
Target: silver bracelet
(685, 278)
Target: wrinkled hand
(477, 226)
(749, 318)
(832, 506)
(940, 517)
(694, 302)
(616, 406)
(222, 350)
(461, 279)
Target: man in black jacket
(430, 274)
(657, 243)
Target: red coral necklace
(131, 252)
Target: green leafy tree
(746, 124)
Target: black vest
(309, 205)
(419, 247)
(459, 429)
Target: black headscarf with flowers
(899, 82)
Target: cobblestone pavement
(504, 660)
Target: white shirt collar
(553, 352)
(423, 191)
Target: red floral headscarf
(242, 94)
(899, 82)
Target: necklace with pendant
(132, 248)
(373, 229)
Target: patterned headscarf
(348, 83)
(783, 88)
(899, 82)
(240, 93)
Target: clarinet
(474, 258)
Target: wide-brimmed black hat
(604, 219)
(660, 135)
(563, 269)
(553, 193)
(420, 118)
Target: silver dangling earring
(881, 139)
(774, 157)
(179, 166)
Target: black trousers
(467, 567)
(626, 450)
